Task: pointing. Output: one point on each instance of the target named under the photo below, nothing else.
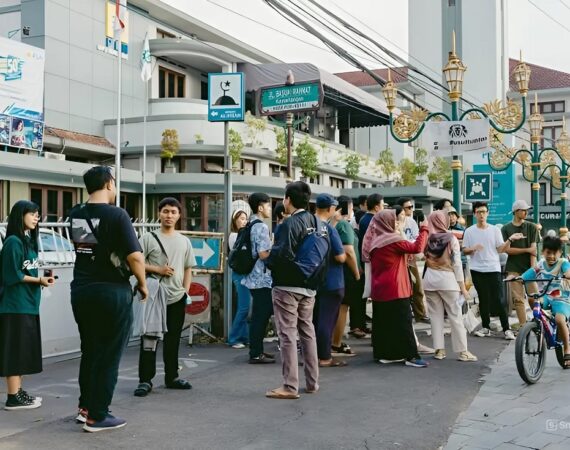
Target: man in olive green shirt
(521, 253)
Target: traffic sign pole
(227, 223)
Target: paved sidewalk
(507, 414)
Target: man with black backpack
(298, 261)
(258, 280)
(101, 296)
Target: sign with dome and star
(225, 97)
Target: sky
(532, 27)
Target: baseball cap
(520, 204)
(451, 209)
(326, 201)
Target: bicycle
(536, 336)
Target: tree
(407, 170)
(254, 127)
(235, 146)
(352, 167)
(441, 172)
(422, 162)
(386, 163)
(169, 145)
(307, 158)
(281, 149)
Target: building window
(170, 84)
(278, 171)
(549, 107)
(192, 165)
(161, 34)
(337, 182)
(549, 136)
(215, 212)
(315, 180)
(169, 164)
(204, 90)
(130, 203)
(248, 167)
(214, 164)
(192, 212)
(55, 203)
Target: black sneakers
(21, 400)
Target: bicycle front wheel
(530, 352)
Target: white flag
(454, 138)
(120, 18)
(146, 69)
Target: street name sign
(478, 187)
(290, 98)
(225, 97)
(207, 249)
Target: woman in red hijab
(392, 330)
(443, 281)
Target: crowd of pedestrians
(314, 274)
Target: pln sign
(225, 97)
(478, 187)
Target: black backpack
(312, 255)
(241, 259)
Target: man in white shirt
(412, 232)
(483, 243)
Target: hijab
(439, 238)
(380, 233)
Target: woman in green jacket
(20, 338)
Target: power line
(565, 5)
(549, 16)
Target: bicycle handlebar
(542, 292)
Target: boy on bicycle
(558, 296)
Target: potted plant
(169, 148)
(386, 164)
(235, 146)
(352, 167)
(307, 158)
(254, 127)
(199, 138)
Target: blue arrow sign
(207, 252)
(225, 97)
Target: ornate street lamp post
(409, 125)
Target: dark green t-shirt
(18, 261)
(520, 263)
(348, 237)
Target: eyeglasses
(481, 211)
(409, 207)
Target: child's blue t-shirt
(557, 291)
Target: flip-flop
(333, 363)
(567, 360)
(274, 393)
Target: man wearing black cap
(331, 293)
(522, 254)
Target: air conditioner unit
(51, 155)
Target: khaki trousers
(418, 306)
(438, 302)
(516, 291)
(294, 313)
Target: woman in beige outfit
(443, 282)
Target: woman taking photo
(20, 339)
(443, 281)
(393, 337)
(239, 333)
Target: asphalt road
(362, 406)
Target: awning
(356, 108)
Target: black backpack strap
(160, 245)
(89, 223)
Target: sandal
(357, 333)
(567, 361)
(333, 363)
(342, 350)
(143, 389)
(281, 394)
(178, 384)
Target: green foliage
(422, 163)
(198, 137)
(254, 127)
(352, 167)
(307, 158)
(281, 149)
(235, 146)
(386, 163)
(169, 144)
(441, 172)
(407, 170)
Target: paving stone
(564, 445)
(539, 440)
(456, 441)
(508, 446)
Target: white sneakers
(484, 332)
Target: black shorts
(353, 289)
(20, 344)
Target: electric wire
(549, 16)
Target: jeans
(490, 291)
(239, 332)
(261, 312)
(325, 315)
(104, 315)
(175, 314)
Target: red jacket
(390, 279)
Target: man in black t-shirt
(107, 252)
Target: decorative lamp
(390, 92)
(454, 71)
(521, 74)
(535, 122)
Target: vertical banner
(110, 41)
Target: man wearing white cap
(521, 253)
